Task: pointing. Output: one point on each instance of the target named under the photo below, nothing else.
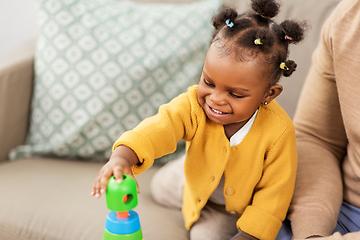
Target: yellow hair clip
(258, 41)
(283, 66)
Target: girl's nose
(217, 98)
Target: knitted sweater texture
(259, 172)
(328, 129)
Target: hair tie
(288, 38)
(283, 66)
(230, 24)
(263, 16)
(258, 41)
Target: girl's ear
(272, 93)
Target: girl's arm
(121, 161)
(154, 137)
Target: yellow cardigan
(259, 172)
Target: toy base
(132, 236)
(122, 226)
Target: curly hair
(254, 32)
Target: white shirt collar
(242, 132)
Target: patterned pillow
(103, 65)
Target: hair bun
(226, 13)
(266, 8)
(291, 67)
(294, 30)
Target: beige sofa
(48, 198)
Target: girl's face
(230, 91)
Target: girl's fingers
(96, 191)
(116, 167)
(99, 186)
(103, 181)
(118, 176)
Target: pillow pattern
(101, 66)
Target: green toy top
(121, 197)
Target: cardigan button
(233, 212)
(229, 191)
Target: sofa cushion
(103, 65)
(50, 199)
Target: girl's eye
(209, 84)
(236, 96)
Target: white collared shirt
(242, 132)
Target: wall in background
(17, 25)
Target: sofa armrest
(16, 80)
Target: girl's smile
(216, 113)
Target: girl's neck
(231, 129)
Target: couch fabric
(49, 198)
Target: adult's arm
(338, 236)
(321, 144)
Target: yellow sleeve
(158, 135)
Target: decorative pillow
(103, 65)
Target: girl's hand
(121, 161)
(116, 166)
